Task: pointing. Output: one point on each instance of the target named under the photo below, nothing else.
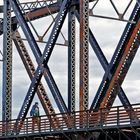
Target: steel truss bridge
(100, 120)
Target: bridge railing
(116, 116)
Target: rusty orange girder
(119, 76)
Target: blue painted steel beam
(33, 44)
(126, 34)
(53, 87)
(36, 51)
(30, 68)
(54, 35)
(55, 31)
(106, 79)
(122, 96)
(102, 59)
(31, 92)
(71, 59)
(7, 64)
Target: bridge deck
(115, 118)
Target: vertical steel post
(7, 63)
(71, 60)
(84, 50)
(84, 37)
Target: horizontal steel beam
(38, 12)
(31, 5)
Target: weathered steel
(45, 101)
(69, 121)
(84, 37)
(124, 39)
(7, 64)
(117, 120)
(122, 67)
(71, 59)
(37, 54)
(35, 10)
(103, 61)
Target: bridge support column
(7, 67)
(7, 63)
(84, 57)
(71, 59)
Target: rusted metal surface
(69, 121)
(117, 117)
(34, 14)
(46, 11)
(84, 57)
(30, 68)
(84, 37)
(122, 68)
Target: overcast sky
(107, 33)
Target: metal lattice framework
(7, 63)
(18, 14)
(71, 60)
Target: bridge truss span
(58, 43)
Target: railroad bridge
(82, 116)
